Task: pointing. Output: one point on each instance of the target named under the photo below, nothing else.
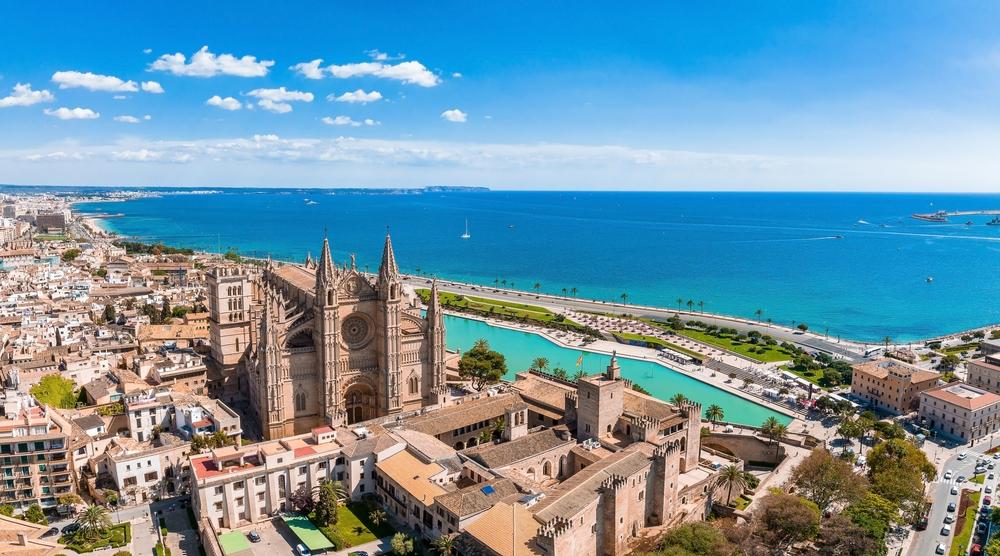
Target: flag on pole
(579, 360)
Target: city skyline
(847, 98)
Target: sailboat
(466, 234)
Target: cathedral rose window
(355, 330)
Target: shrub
(123, 553)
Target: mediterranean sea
(855, 265)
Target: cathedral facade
(326, 344)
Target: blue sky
(571, 95)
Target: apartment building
(985, 373)
(34, 464)
(960, 411)
(234, 486)
(891, 386)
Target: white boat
(466, 234)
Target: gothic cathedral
(326, 344)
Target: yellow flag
(579, 360)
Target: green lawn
(353, 527)
(499, 308)
(978, 479)
(742, 502)
(652, 340)
(961, 542)
(116, 536)
(49, 237)
(959, 349)
(771, 353)
(814, 377)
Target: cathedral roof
(388, 268)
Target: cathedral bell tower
(435, 339)
(327, 306)
(390, 294)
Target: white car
(948, 519)
(964, 454)
(940, 548)
(988, 489)
(946, 530)
(947, 474)
(954, 489)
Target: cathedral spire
(309, 259)
(324, 271)
(434, 305)
(387, 270)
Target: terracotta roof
(506, 453)
(963, 395)
(476, 498)
(506, 530)
(572, 495)
(463, 414)
(880, 369)
(412, 475)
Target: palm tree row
(775, 431)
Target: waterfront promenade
(851, 351)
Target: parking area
(276, 539)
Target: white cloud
(147, 117)
(147, 155)
(228, 103)
(55, 155)
(206, 64)
(72, 113)
(348, 121)
(147, 50)
(379, 56)
(413, 72)
(23, 95)
(93, 82)
(310, 70)
(127, 119)
(455, 115)
(152, 87)
(277, 100)
(120, 97)
(456, 75)
(358, 96)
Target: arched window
(300, 401)
(547, 469)
(414, 384)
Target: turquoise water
(520, 348)
(855, 264)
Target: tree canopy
(826, 480)
(481, 365)
(56, 391)
(787, 519)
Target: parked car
(72, 527)
(949, 519)
(253, 536)
(954, 489)
(981, 528)
(951, 506)
(960, 479)
(987, 501)
(987, 489)
(947, 474)
(50, 532)
(946, 530)
(302, 551)
(964, 454)
(940, 548)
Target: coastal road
(851, 352)
(939, 492)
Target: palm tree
(496, 281)
(731, 477)
(537, 287)
(777, 433)
(690, 304)
(769, 321)
(444, 545)
(624, 297)
(378, 517)
(540, 364)
(499, 424)
(678, 399)
(748, 382)
(768, 425)
(679, 302)
(564, 290)
(701, 306)
(715, 413)
(573, 291)
(887, 340)
(93, 520)
(504, 281)
(759, 313)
